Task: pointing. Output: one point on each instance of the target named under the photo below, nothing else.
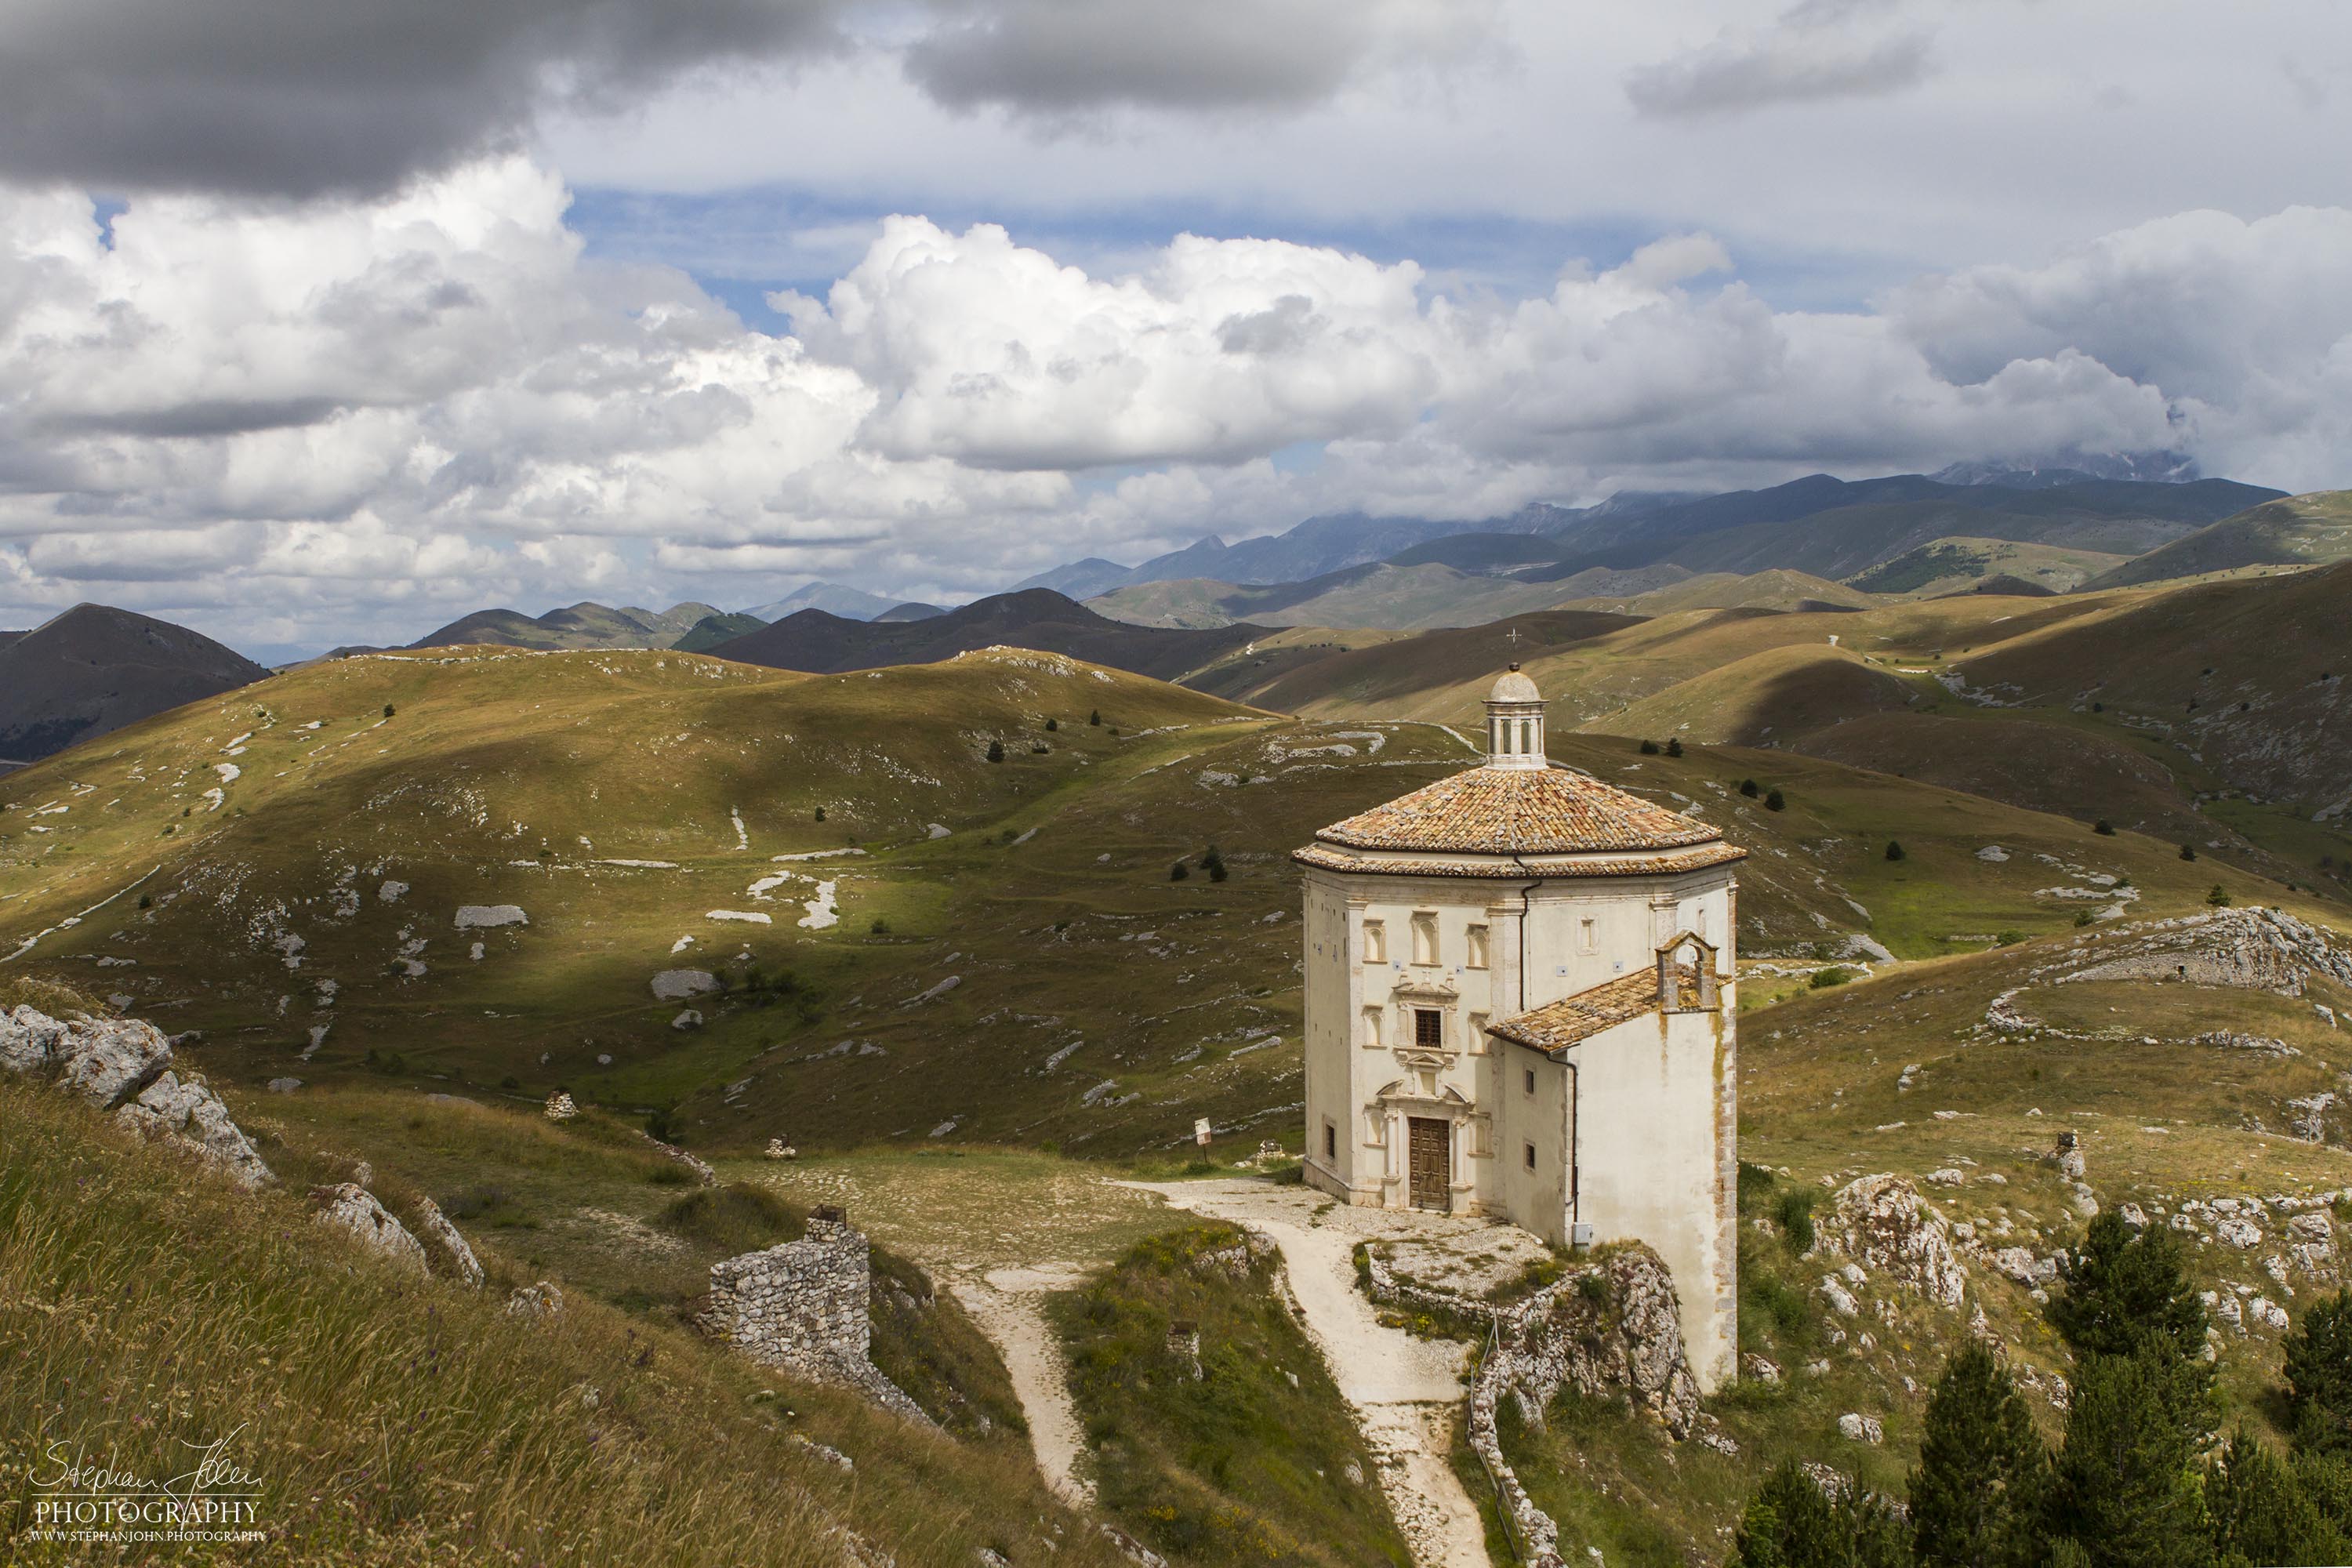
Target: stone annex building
(1519, 993)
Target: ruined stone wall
(803, 1307)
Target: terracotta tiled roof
(1507, 811)
(1671, 863)
(1556, 1026)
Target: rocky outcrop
(1881, 1224)
(701, 1168)
(187, 1115)
(2255, 949)
(1610, 1330)
(123, 1065)
(805, 1307)
(350, 1206)
(539, 1302)
(463, 1264)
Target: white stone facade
(1625, 1124)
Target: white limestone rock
(680, 984)
(477, 917)
(106, 1060)
(463, 1264)
(2238, 1231)
(28, 1039)
(184, 1112)
(1839, 1299)
(1857, 1427)
(537, 1302)
(353, 1207)
(1879, 1221)
(560, 1106)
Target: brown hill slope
(94, 669)
(2301, 530)
(585, 625)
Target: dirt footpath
(1407, 1393)
(1005, 1303)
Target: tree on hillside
(2126, 1483)
(1978, 1496)
(2188, 852)
(1179, 871)
(1095, 716)
(2218, 897)
(2318, 1373)
(1792, 1523)
(1213, 864)
(996, 750)
(2104, 830)
(1776, 800)
(2124, 1289)
(1052, 724)
(1748, 788)
(1648, 747)
(2262, 1513)
(1894, 849)
(1674, 748)
(820, 814)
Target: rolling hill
(94, 669)
(834, 598)
(1036, 618)
(1385, 595)
(583, 625)
(1960, 565)
(712, 630)
(2313, 529)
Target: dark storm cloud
(1062, 57)
(1809, 58)
(305, 97)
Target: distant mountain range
(834, 598)
(95, 670)
(1033, 618)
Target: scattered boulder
(1762, 1369)
(1880, 1222)
(691, 1018)
(679, 985)
(537, 1302)
(283, 1085)
(472, 917)
(2236, 1230)
(184, 1113)
(560, 1106)
(780, 1150)
(1860, 1429)
(462, 1261)
(28, 1039)
(353, 1208)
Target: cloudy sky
(331, 323)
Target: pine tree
(2188, 852)
(1179, 871)
(1894, 850)
(2106, 829)
(1749, 787)
(1095, 717)
(1978, 1496)
(1776, 800)
(2218, 897)
(2126, 1288)
(820, 814)
(2125, 1485)
(1052, 725)
(1648, 747)
(2261, 1511)
(2319, 1377)
(1213, 864)
(1792, 1523)
(1674, 748)
(996, 750)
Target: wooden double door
(1429, 1163)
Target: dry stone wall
(805, 1307)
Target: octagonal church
(1519, 996)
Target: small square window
(1428, 1029)
(1531, 1156)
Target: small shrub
(1776, 800)
(2008, 939)
(1095, 717)
(1649, 747)
(1894, 850)
(2104, 830)
(1749, 787)
(146, 901)
(2082, 917)
(1795, 1213)
(735, 1219)
(2098, 707)
(1052, 725)
(1674, 748)
(880, 927)
(509, 1081)
(996, 750)
(2218, 897)
(1179, 871)
(1755, 1184)
(387, 710)
(1593, 1287)
(1213, 864)
(1833, 975)
(820, 814)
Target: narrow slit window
(1330, 1142)
(1531, 1155)
(1531, 1080)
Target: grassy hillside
(388, 1420)
(1957, 565)
(1408, 597)
(1235, 1450)
(2313, 529)
(1768, 590)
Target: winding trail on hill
(1007, 1305)
(1405, 1391)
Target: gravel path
(1407, 1393)
(1005, 1303)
